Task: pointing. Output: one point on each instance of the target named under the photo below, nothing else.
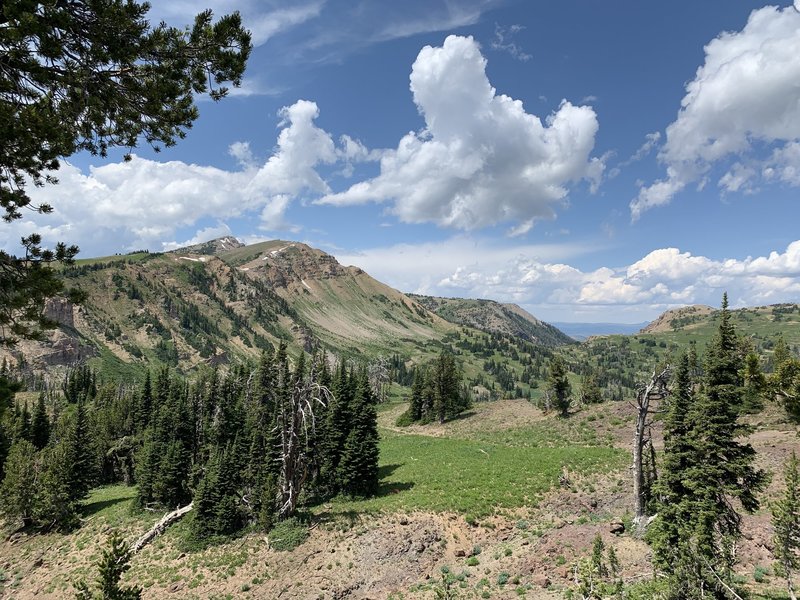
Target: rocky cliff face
(61, 311)
(294, 263)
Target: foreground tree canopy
(80, 75)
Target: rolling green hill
(619, 361)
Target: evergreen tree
(82, 468)
(559, 387)
(590, 392)
(146, 470)
(40, 426)
(18, 489)
(216, 503)
(170, 485)
(55, 504)
(358, 469)
(670, 532)
(22, 425)
(780, 354)
(719, 467)
(338, 421)
(417, 390)
(755, 384)
(786, 522)
(446, 387)
(112, 565)
(784, 385)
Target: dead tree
(379, 377)
(296, 428)
(644, 473)
(160, 527)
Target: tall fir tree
(672, 527)
(558, 386)
(358, 468)
(18, 489)
(40, 426)
(80, 455)
(719, 468)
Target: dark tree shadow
(92, 508)
(385, 470)
(393, 487)
(460, 416)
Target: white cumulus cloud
(540, 278)
(143, 203)
(481, 158)
(744, 95)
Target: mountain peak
(212, 247)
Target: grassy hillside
(620, 361)
(493, 317)
(221, 302)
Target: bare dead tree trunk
(655, 389)
(297, 427)
(379, 377)
(160, 527)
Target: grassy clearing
(552, 433)
(469, 476)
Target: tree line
(247, 447)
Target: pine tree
(717, 467)
(755, 384)
(558, 385)
(40, 426)
(112, 565)
(18, 489)
(55, 505)
(338, 421)
(671, 529)
(79, 443)
(22, 425)
(590, 392)
(780, 353)
(786, 522)
(784, 385)
(358, 469)
(417, 390)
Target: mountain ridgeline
(221, 302)
(494, 317)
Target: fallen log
(160, 527)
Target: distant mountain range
(581, 331)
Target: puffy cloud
(539, 278)
(143, 203)
(302, 146)
(481, 159)
(744, 95)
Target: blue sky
(590, 161)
